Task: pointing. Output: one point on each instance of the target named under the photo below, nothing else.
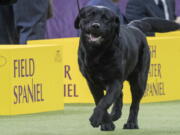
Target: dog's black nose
(96, 25)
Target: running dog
(108, 55)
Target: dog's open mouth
(94, 38)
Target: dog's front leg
(113, 92)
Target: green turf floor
(154, 119)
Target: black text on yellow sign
(70, 89)
(31, 91)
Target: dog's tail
(152, 24)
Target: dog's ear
(82, 14)
(78, 18)
(77, 22)
(117, 24)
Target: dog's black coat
(108, 55)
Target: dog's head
(98, 24)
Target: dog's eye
(104, 17)
(91, 14)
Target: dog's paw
(130, 126)
(97, 117)
(107, 127)
(115, 115)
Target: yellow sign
(163, 76)
(164, 70)
(30, 79)
(168, 34)
(75, 87)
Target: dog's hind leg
(137, 93)
(117, 108)
(138, 80)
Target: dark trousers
(23, 21)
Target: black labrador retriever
(108, 55)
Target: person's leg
(7, 30)
(30, 19)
